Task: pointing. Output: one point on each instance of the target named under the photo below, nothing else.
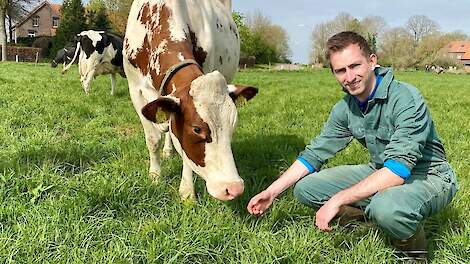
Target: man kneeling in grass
(408, 177)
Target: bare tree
(421, 26)
(342, 22)
(11, 10)
(3, 36)
(369, 27)
(273, 35)
(374, 26)
(320, 34)
(397, 48)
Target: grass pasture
(74, 186)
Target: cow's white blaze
(216, 108)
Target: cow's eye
(197, 130)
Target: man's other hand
(325, 214)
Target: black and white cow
(100, 53)
(64, 56)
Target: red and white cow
(178, 58)
(100, 53)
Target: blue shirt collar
(363, 105)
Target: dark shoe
(414, 248)
(348, 214)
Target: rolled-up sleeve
(334, 137)
(412, 124)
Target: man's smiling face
(354, 71)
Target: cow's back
(206, 25)
(216, 33)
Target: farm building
(41, 21)
(460, 50)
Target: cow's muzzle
(226, 191)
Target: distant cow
(439, 69)
(100, 53)
(178, 58)
(64, 56)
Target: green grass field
(74, 185)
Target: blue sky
(298, 17)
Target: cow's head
(59, 58)
(202, 122)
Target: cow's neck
(180, 82)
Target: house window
(31, 33)
(35, 21)
(55, 22)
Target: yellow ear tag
(161, 117)
(240, 101)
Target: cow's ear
(166, 104)
(241, 93)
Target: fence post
(36, 62)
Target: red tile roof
(56, 8)
(459, 47)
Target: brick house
(459, 50)
(41, 21)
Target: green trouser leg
(397, 210)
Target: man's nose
(350, 76)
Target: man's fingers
(256, 210)
(258, 204)
(253, 206)
(323, 225)
(250, 207)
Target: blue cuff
(310, 168)
(398, 168)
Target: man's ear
(373, 60)
(240, 93)
(167, 104)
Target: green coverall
(396, 126)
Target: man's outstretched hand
(260, 203)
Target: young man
(408, 177)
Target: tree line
(417, 43)
(259, 37)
